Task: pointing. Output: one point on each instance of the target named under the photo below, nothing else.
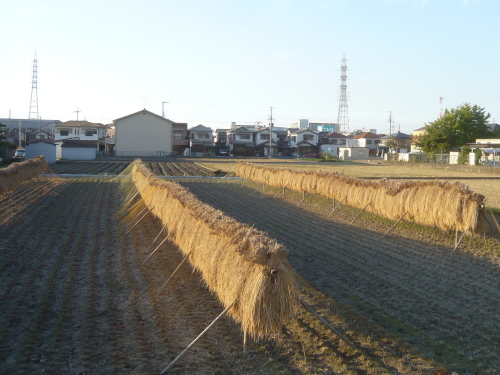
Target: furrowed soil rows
(89, 167)
(444, 304)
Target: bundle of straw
(440, 204)
(238, 263)
(15, 174)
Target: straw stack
(440, 204)
(237, 262)
(17, 173)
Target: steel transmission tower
(343, 115)
(34, 92)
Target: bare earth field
(75, 299)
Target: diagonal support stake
(138, 221)
(338, 205)
(356, 218)
(305, 195)
(261, 185)
(281, 190)
(459, 241)
(175, 271)
(394, 226)
(154, 251)
(332, 328)
(165, 370)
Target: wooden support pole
(175, 271)
(332, 328)
(356, 218)
(8, 196)
(394, 226)
(165, 370)
(138, 221)
(338, 205)
(461, 238)
(154, 251)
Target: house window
(377, 141)
(203, 136)
(368, 141)
(244, 136)
(341, 141)
(308, 137)
(177, 134)
(361, 152)
(64, 133)
(294, 138)
(334, 141)
(90, 133)
(264, 137)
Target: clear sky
(219, 61)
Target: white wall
(143, 135)
(78, 153)
(41, 148)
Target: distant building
(201, 141)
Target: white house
(354, 153)
(331, 142)
(82, 130)
(367, 140)
(143, 134)
(303, 141)
(240, 141)
(201, 141)
(41, 147)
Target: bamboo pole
(304, 195)
(138, 221)
(332, 328)
(165, 370)
(460, 241)
(175, 271)
(394, 226)
(338, 205)
(356, 218)
(154, 251)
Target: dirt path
(444, 304)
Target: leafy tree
(3, 130)
(454, 129)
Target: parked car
(223, 153)
(20, 153)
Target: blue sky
(219, 61)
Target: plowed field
(75, 299)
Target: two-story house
(88, 134)
(398, 142)
(180, 139)
(241, 141)
(221, 145)
(262, 140)
(201, 141)
(331, 142)
(303, 141)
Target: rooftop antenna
(162, 108)
(34, 92)
(77, 112)
(343, 115)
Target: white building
(41, 147)
(143, 134)
(201, 141)
(81, 130)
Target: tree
(454, 129)
(3, 130)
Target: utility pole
(163, 109)
(271, 134)
(77, 112)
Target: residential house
(143, 134)
(400, 142)
(365, 140)
(180, 138)
(303, 141)
(81, 130)
(241, 141)
(201, 141)
(415, 135)
(262, 140)
(331, 142)
(221, 144)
